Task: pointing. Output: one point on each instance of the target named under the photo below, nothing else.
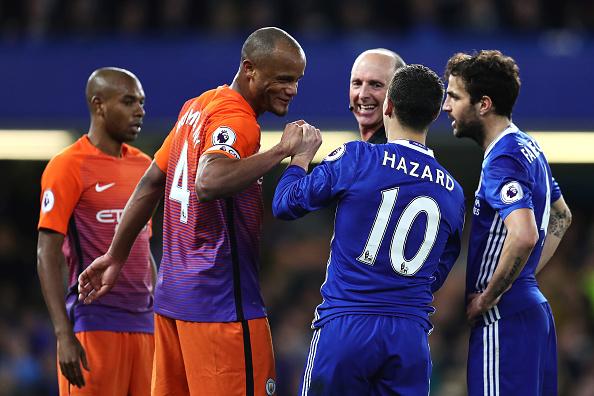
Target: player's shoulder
(510, 144)
(348, 149)
(70, 156)
(197, 102)
(506, 146)
(228, 109)
(451, 183)
(224, 101)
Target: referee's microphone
(351, 107)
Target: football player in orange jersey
(84, 190)
(211, 332)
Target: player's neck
(368, 132)
(494, 126)
(395, 131)
(105, 143)
(239, 86)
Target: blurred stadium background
(179, 48)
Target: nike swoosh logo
(101, 188)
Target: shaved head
(263, 42)
(380, 55)
(370, 76)
(106, 81)
(272, 63)
(116, 103)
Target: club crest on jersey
(47, 202)
(225, 148)
(270, 387)
(336, 153)
(223, 135)
(511, 192)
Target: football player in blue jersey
(519, 218)
(397, 231)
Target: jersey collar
(512, 128)
(414, 145)
(90, 147)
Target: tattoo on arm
(558, 223)
(509, 277)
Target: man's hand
(98, 278)
(307, 149)
(291, 138)
(70, 356)
(477, 305)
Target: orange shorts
(120, 364)
(212, 359)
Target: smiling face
(123, 109)
(464, 114)
(370, 77)
(275, 79)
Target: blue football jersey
(397, 230)
(515, 174)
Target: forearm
(50, 260)
(522, 236)
(300, 161)
(138, 211)
(559, 222)
(511, 262)
(549, 248)
(285, 203)
(219, 176)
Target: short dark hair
(416, 93)
(488, 73)
(261, 43)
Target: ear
(485, 105)
(248, 68)
(97, 105)
(389, 111)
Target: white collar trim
(424, 149)
(512, 128)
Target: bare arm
(50, 261)
(100, 276)
(138, 211)
(219, 176)
(522, 236)
(558, 223)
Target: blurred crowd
(40, 19)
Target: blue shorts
(368, 355)
(516, 355)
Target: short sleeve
(162, 155)
(235, 137)
(507, 185)
(61, 188)
(555, 190)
